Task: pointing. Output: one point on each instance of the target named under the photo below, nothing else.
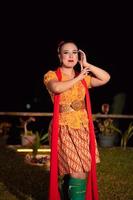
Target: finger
(81, 51)
(81, 67)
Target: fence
(48, 114)
(4, 116)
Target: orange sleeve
(49, 76)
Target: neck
(68, 71)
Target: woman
(73, 144)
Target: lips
(70, 60)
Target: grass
(20, 181)
(115, 174)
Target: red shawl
(92, 189)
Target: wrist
(87, 65)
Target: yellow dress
(73, 140)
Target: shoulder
(49, 76)
(50, 73)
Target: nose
(70, 55)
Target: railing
(127, 119)
(49, 114)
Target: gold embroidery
(78, 105)
(74, 94)
(74, 106)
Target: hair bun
(60, 45)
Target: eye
(75, 52)
(65, 52)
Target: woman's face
(68, 55)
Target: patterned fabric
(73, 139)
(72, 119)
(73, 150)
(91, 188)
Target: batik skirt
(73, 150)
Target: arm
(100, 77)
(56, 86)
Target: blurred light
(31, 150)
(28, 106)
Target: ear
(59, 56)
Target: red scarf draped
(92, 188)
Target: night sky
(28, 50)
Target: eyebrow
(75, 50)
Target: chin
(69, 66)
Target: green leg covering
(77, 188)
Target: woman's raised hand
(84, 72)
(83, 59)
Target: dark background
(29, 38)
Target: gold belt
(74, 106)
